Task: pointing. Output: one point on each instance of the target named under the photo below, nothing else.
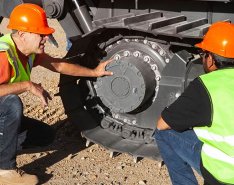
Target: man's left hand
(100, 70)
(162, 125)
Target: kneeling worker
(197, 130)
(19, 53)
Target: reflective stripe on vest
(217, 154)
(218, 149)
(215, 137)
(8, 49)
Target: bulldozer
(151, 45)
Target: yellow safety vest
(20, 73)
(218, 149)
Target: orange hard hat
(219, 39)
(30, 18)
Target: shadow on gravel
(67, 143)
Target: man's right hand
(40, 92)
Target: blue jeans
(12, 123)
(69, 44)
(180, 151)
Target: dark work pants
(12, 124)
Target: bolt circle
(161, 52)
(167, 60)
(136, 54)
(133, 122)
(146, 58)
(126, 53)
(154, 67)
(158, 78)
(117, 57)
(154, 46)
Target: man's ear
(21, 34)
(211, 63)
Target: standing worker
(19, 52)
(197, 130)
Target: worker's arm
(162, 125)
(14, 88)
(17, 88)
(64, 67)
(20, 87)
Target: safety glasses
(43, 36)
(204, 54)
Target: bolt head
(136, 54)
(146, 58)
(117, 57)
(154, 46)
(154, 67)
(161, 52)
(126, 53)
(177, 94)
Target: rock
(83, 158)
(120, 167)
(142, 182)
(69, 157)
(93, 177)
(75, 172)
(38, 155)
(40, 111)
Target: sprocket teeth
(87, 144)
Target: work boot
(17, 177)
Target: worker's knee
(12, 107)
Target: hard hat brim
(199, 45)
(44, 31)
(48, 31)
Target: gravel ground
(68, 161)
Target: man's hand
(101, 71)
(162, 125)
(41, 93)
